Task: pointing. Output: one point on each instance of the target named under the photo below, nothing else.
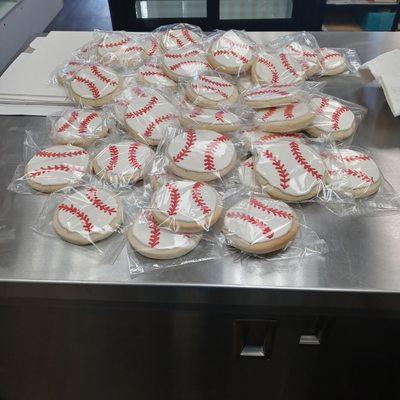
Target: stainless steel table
(361, 270)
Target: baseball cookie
(306, 56)
(259, 225)
(88, 216)
(211, 91)
(176, 39)
(353, 171)
(270, 96)
(123, 162)
(94, 86)
(56, 167)
(68, 71)
(147, 118)
(186, 206)
(149, 239)
(289, 170)
(331, 119)
(277, 69)
(153, 74)
(79, 127)
(209, 119)
(292, 117)
(247, 176)
(184, 64)
(332, 62)
(254, 139)
(232, 53)
(201, 155)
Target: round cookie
(175, 39)
(184, 64)
(211, 91)
(221, 121)
(290, 170)
(56, 167)
(306, 56)
(332, 62)
(68, 71)
(149, 239)
(147, 118)
(256, 139)
(186, 206)
(231, 53)
(201, 155)
(292, 117)
(277, 69)
(153, 74)
(123, 162)
(270, 96)
(247, 176)
(94, 86)
(259, 225)
(350, 170)
(79, 127)
(88, 216)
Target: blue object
(375, 21)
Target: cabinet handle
(310, 340)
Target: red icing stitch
(72, 118)
(331, 55)
(159, 120)
(219, 116)
(175, 198)
(91, 195)
(91, 86)
(268, 113)
(198, 199)
(114, 44)
(190, 140)
(132, 155)
(361, 175)
(286, 64)
(223, 52)
(133, 48)
(114, 155)
(153, 48)
(53, 154)
(215, 83)
(357, 158)
(155, 230)
(179, 65)
(154, 73)
(234, 43)
(266, 230)
(52, 168)
(324, 104)
(272, 68)
(272, 136)
(280, 169)
(295, 149)
(288, 111)
(270, 210)
(336, 117)
(142, 111)
(210, 152)
(186, 34)
(303, 53)
(84, 218)
(96, 72)
(182, 55)
(83, 127)
(177, 40)
(249, 164)
(210, 89)
(266, 91)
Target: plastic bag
(335, 61)
(151, 73)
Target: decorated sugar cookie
(123, 162)
(331, 119)
(88, 216)
(186, 206)
(350, 170)
(246, 174)
(333, 62)
(147, 118)
(184, 64)
(68, 71)
(277, 69)
(79, 127)
(269, 96)
(306, 56)
(201, 155)
(95, 85)
(151, 240)
(289, 170)
(152, 74)
(211, 91)
(175, 39)
(255, 139)
(222, 121)
(259, 225)
(288, 118)
(56, 167)
(232, 53)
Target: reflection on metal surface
(171, 9)
(255, 9)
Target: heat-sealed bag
(151, 73)
(335, 61)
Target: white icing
(282, 114)
(150, 116)
(351, 169)
(177, 38)
(255, 139)
(331, 116)
(88, 211)
(267, 93)
(78, 124)
(246, 173)
(154, 75)
(330, 59)
(186, 209)
(112, 43)
(94, 82)
(307, 57)
(69, 70)
(209, 116)
(147, 231)
(232, 50)
(58, 165)
(125, 158)
(201, 151)
(258, 220)
(278, 164)
(186, 63)
(279, 68)
(212, 88)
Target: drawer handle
(309, 340)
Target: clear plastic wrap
(335, 61)
(151, 73)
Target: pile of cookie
(205, 101)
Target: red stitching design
(266, 230)
(267, 137)
(132, 156)
(295, 149)
(83, 127)
(303, 53)
(266, 91)
(182, 55)
(114, 155)
(232, 53)
(336, 117)
(361, 175)
(324, 103)
(91, 86)
(142, 111)
(271, 67)
(219, 116)
(96, 72)
(187, 35)
(131, 48)
(356, 158)
(280, 169)
(288, 111)
(53, 154)
(84, 218)
(286, 64)
(179, 65)
(331, 55)
(210, 152)
(114, 44)
(177, 40)
(270, 210)
(51, 168)
(190, 140)
(195, 112)
(72, 118)
(215, 83)
(159, 120)
(154, 73)
(210, 89)
(249, 164)
(175, 198)
(268, 113)
(198, 199)
(153, 48)
(155, 231)
(91, 195)
(234, 43)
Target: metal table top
(362, 266)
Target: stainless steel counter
(361, 270)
